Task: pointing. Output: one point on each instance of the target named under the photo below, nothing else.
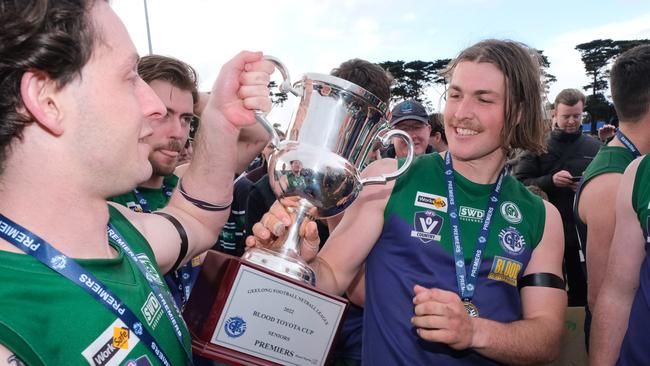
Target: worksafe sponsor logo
(427, 226)
(431, 201)
(152, 310)
(471, 214)
(512, 241)
(511, 212)
(505, 270)
(112, 346)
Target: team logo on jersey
(235, 327)
(58, 262)
(511, 212)
(647, 228)
(471, 214)
(141, 361)
(431, 201)
(427, 225)
(512, 241)
(152, 310)
(112, 346)
(150, 270)
(505, 270)
(134, 207)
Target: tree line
(413, 78)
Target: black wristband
(201, 204)
(543, 280)
(182, 234)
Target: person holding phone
(557, 172)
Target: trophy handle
(385, 140)
(284, 87)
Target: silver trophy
(328, 143)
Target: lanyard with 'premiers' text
(467, 284)
(628, 144)
(182, 274)
(40, 249)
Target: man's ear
(38, 92)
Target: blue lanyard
(143, 201)
(184, 272)
(467, 285)
(40, 249)
(628, 144)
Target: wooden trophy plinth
(244, 314)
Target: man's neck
(154, 182)
(71, 223)
(484, 170)
(637, 132)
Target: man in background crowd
(557, 172)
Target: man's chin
(163, 170)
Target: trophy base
(283, 264)
(243, 314)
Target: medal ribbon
(41, 250)
(628, 144)
(183, 273)
(467, 284)
(143, 201)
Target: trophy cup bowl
(329, 141)
(263, 308)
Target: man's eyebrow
(476, 92)
(131, 62)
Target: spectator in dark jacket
(558, 171)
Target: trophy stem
(291, 244)
(285, 259)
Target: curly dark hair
(55, 37)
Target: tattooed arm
(8, 358)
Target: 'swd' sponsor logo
(431, 201)
(112, 346)
(471, 214)
(505, 269)
(151, 310)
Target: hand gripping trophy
(263, 308)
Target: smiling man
(443, 287)
(411, 117)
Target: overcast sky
(317, 35)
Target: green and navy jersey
(634, 349)
(415, 247)
(46, 319)
(157, 198)
(610, 159)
